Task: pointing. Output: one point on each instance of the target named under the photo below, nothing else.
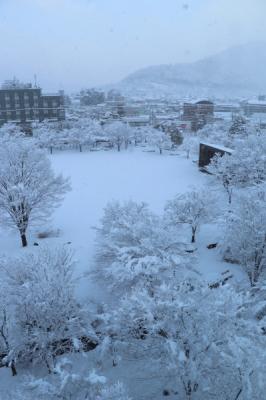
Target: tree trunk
(23, 239)
(161, 151)
(51, 150)
(193, 237)
(80, 148)
(13, 368)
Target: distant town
(25, 103)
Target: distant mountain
(237, 71)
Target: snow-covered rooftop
(218, 147)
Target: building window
(45, 103)
(46, 112)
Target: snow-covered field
(99, 177)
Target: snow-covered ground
(98, 177)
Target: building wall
(24, 105)
(252, 108)
(50, 108)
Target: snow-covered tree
(85, 131)
(250, 160)
(172, 130)
(119, 133)
(7, 330)
(194, 337)
(223, 169)
(138, 135)
(216, 133)
(29, 189)
(190, 146)
(9, 130)
(245, 236)
(134, 248)
(46, 318)
(245, 167)
(239, 126)
(80, 138)
(79, 133)
(159, 139)
(192, 208)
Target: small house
(208, 151)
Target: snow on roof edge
(218, 147)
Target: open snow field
(98, 177)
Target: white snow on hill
(237, 71)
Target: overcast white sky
(81, 43)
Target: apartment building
(23, 103)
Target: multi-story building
(198, 114)
(254, 106)
(22, 103)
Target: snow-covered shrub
(67, 383)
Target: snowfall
(97, 178)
